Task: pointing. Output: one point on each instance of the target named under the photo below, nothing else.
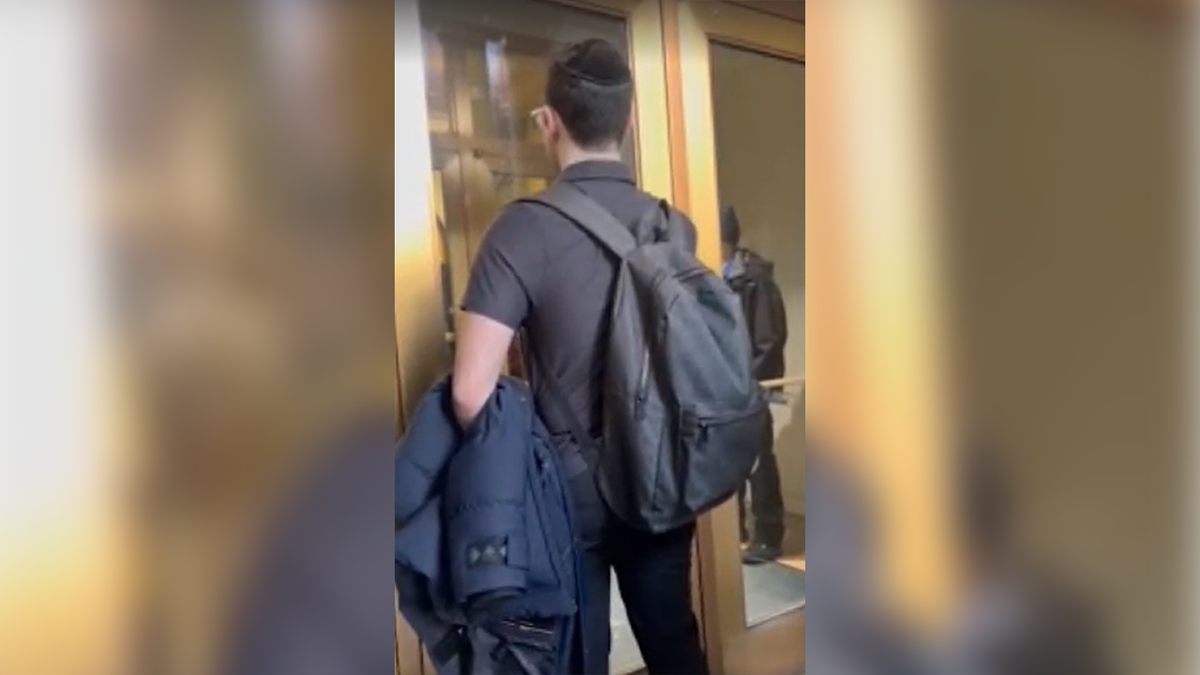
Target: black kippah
(597, 61)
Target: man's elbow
(469, 399)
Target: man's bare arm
(481, 348)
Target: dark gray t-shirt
(540, 272)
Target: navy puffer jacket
(485, 556)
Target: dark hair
(591, 88)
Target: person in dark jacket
(752, 277)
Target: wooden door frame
(691, 25)
(417, 280)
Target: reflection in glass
(758, 118)
(486, 72)
(486, 67)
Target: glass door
(482, 70)
(739, 87)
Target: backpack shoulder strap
(562, 413)
(587, 214)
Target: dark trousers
(654, 576)
(766, 500)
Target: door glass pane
(758, 117)
(486, 71)
(486, 66)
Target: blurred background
(220, 225)
(998, 349)
(197, 215)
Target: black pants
(766, 500)
(654, 576)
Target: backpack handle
(581, 209)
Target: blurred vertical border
(197, 445)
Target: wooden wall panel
(787, 9)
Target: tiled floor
(771, 591)
(778, 588)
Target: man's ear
(556, 124)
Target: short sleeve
(507, 270)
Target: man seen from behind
(540, 273)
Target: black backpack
(684, 418)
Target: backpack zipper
(719, 421)
(643, 386)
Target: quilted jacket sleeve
(431, 440)
(484, 508)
